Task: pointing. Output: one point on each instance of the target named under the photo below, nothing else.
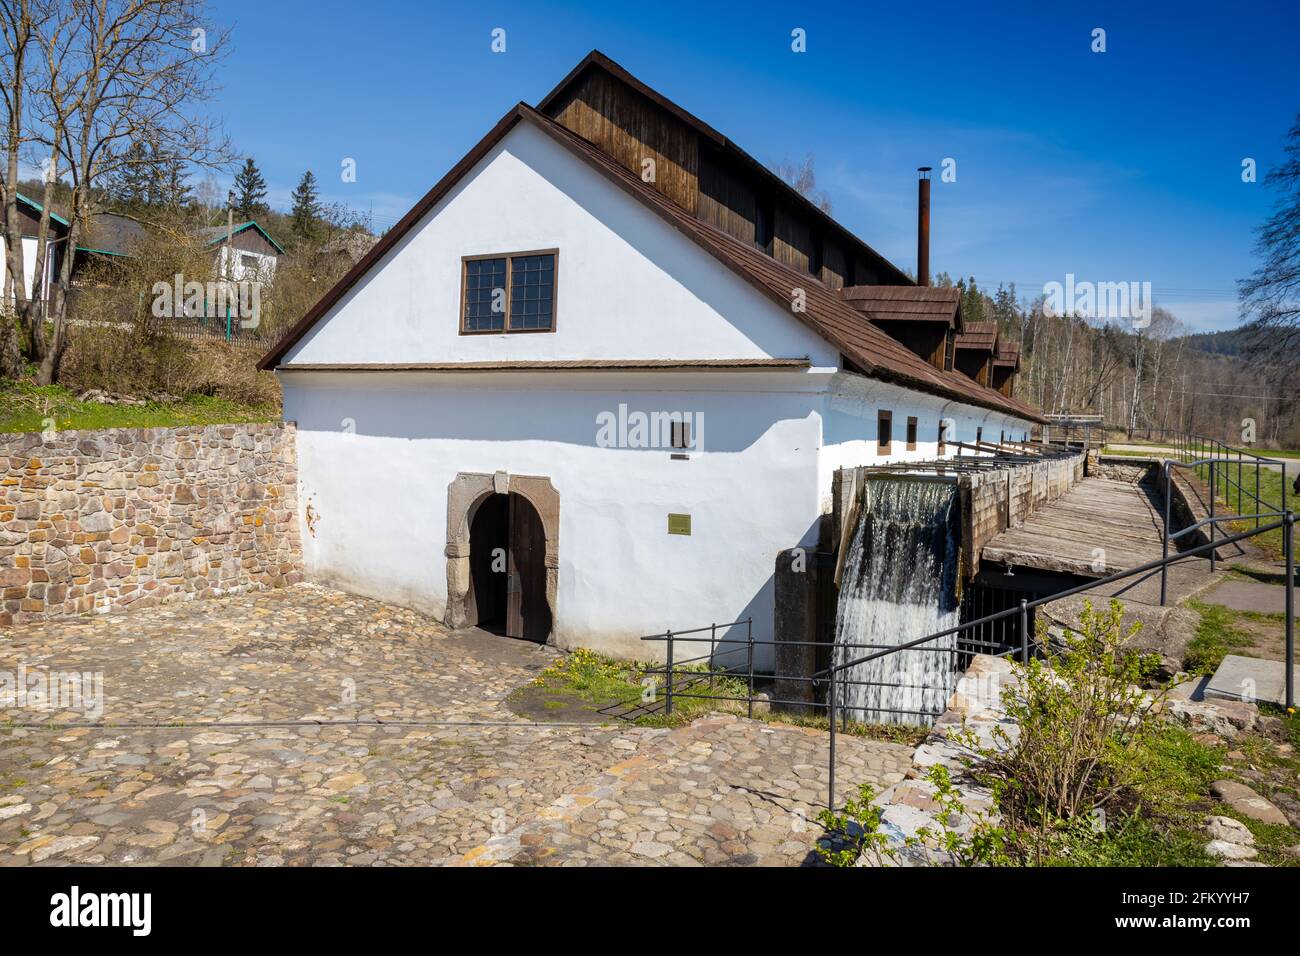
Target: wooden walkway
(1098, 528)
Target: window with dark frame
(884, 432)
(979, 435)
(911, 433)
(943, 447)
(508, 293)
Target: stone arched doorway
(538, 514)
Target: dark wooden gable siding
(250, 240)
(975, 363)
(728, 202)
(792, 242)
(928, 340)
(706, 175)
(834, 270)
(605, 111)
(29, 223)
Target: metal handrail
(1190, 445)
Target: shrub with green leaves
(959, 837)
(1085, 728)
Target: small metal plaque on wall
(679, 524)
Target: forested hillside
(1159, 376)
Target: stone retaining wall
(102, 520)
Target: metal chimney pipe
(923, 226)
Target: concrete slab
(1248, 596)
(1250, 678)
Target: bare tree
(1270, 298)
(20, 23)
(110, 73)
(803, 179)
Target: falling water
(899, 583)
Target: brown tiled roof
(905, 303)
(1007, 355)
(825, 312)
(979, 335)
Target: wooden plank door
(527, 613)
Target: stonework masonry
(102, 520)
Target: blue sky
(1115, 166)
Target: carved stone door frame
(466, 492)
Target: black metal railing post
(1259, 504)
(713, 651)
(1024, 631)
(830, 700)
(1164, 536)
(1288, 554)
(1213, 560)
(749, 623)
(668, 691)
(1239, 481)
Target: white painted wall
(29, 264)
(629, 285)
(851, 408)
(262, 268)
(377, 451)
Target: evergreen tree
(128, 186)
(306, 206)
(250, 191)
(972, 301)
(173, 182)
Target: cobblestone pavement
(723, 791)
(229, 737)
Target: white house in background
(592, 384)
(249, 255)
(29, 218)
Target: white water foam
(900, 583)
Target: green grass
(601, 682)
(1240, 500)
(1135, 841)
(32, 408)
(1264, 452)
(1216, 636)
(1166, 827)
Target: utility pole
(229, 255)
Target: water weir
(899, 582)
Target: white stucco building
(467, 397)
(29, 224)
